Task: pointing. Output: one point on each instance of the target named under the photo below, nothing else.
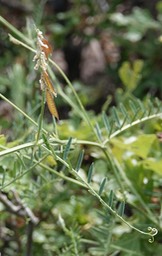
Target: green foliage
(88, 185)
(138, 23)
(130, 76)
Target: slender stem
(86, 184)
(86, 117)
(32, 144)
(55, 127)
(150, 215)
(73, 238)
(139, 121)
(59, 174)
(109, 239)
(15, 31)
(21, 111)
(93, 192)
(113, 167)
(18, 42)
(47, 168)
(70, 102)
(25, 172)
(40, 123)
(18, 148)
(7, 151)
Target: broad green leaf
(125, 73)
(143, 145)
(137, 66)
(153, 165)
(130, 75)
(140, 146)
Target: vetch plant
(53, 160)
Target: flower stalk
(43, 52)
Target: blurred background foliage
(110, 50)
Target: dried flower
(41, 58)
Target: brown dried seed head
(51, 105)
(46, 80)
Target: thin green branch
(139, 121)
(21, 111)
(45, 167)
(18, 148)
(86, 117)
(109, 239)
(73, 237)
(120, 175)
(60, 174)
(24, 173)
(15, 31)
(70, 102)
(7, 151)
(152, 232)
(40, 123)
(18, 42)
(150, 215)
(114, 169)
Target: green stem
(113, 212)
(109, 239)
(40, 123)
(59, 174)
(19, 147)
(22, 174)
(86, 117)
(15, 31)
(21, 111)
(52, 140)
(150, 215)
(18, 42)
(139, 121)
(73, 238)
(55, 127)
(70, 102)
(45, 167)
(113, 167)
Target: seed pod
(46, 80)
(51, 104)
